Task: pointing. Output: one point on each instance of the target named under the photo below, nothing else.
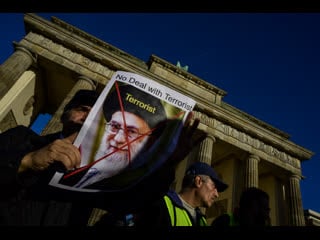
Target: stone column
(54, 124)
(14, 67)
(251, 172)
(205, 151)
(95, 216)
(296, 216)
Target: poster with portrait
(130, 131)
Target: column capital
(89, 80)
(255, 157)
(210, 136)
(295, 176)
(19, 47)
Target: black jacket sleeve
(15, 143)
(153, 215)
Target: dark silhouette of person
(253, 210)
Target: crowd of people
(30, 160)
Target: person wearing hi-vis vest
(200, 187)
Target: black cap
(82, 97)
(135, 101)
(201, 168)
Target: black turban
(135, 101)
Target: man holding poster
(130, 132)
(32, 194)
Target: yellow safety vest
(180, 216)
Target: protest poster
(130, 131)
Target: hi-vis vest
(180, 216)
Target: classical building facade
(55, 59)
(312, 218)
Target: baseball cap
(82, 97)
(201, 168)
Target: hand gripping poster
(130, 131)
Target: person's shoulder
(19, 131)
(19, 128)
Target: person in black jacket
(28, 162)
(253, 211)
